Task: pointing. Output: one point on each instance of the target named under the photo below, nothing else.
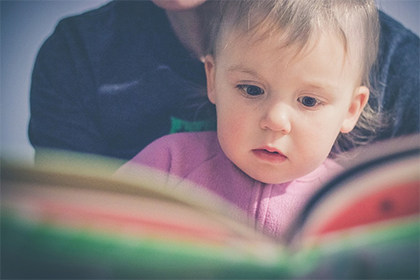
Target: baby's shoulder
(188, 140)
(183, 152)
(179, 153)
(186, 146)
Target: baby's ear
(210, 75)
(358, 103)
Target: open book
(71, 218)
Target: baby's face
(278, 113)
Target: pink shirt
(198, 158)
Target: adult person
(112, 80)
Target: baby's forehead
(299, 23)
(268, 48)
(280, 39)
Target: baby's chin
(274, 177)
(273, 181)
(270, 178)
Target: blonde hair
(355, 22)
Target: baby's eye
(308, 101)
(251, 90)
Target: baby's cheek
(314, 149)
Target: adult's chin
(178, 5)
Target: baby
(289, 80)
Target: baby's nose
(277, 118)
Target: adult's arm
(397, 78)
(62, 113)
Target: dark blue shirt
(396, 77)
(112, 80)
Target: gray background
(25, 24)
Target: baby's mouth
(270, 155)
